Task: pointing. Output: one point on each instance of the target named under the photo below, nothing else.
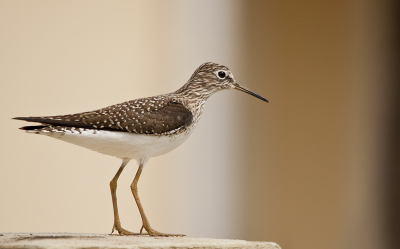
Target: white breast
(124, 145)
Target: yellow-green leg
(113, 187)
(146, 224)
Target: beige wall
(300, 170)
(66, 57)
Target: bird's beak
(246, 90)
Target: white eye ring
(221, 74)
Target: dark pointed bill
(244, 89)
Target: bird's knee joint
(113, 184)
(134, 187)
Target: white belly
(124, 145)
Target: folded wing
(142, 116)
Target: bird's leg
(113, 187)
(146, 224)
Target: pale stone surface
(93, 241)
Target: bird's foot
(122, 231)
(152, 232)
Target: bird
(141, 128)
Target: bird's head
(210, 78)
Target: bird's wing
(143, 116)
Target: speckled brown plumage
(153, 115)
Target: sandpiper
(141, 128)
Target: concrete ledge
(93, 241)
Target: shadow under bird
(141, 128)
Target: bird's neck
(195, 91)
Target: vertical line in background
(371, 92)
(256, 63)
(391, 173)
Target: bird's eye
(221, 74)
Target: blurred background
(317, 167)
